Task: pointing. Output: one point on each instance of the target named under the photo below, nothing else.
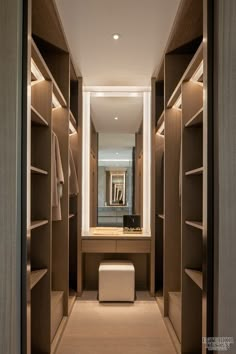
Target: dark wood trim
(224, 169)
(208, 239)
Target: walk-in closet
(118, 178)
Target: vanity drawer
(133, 246)
(99, 246)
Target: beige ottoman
(116, 281)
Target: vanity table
(108, 243)
(114, 240)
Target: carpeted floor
(114, 328)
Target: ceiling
(115, 149)
(143, 25)
(128, 110)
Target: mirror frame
(117, 91)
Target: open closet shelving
(55, 108)
(181, 175)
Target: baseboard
(173, 335)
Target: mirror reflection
(117, 188)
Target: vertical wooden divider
(60, 229)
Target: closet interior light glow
(178, 102)
(114, 160)
(116, 36)
(72, 129)
(198, 73)
(55, 102)
(36, 72)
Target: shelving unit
(56, 102)
(182, 117)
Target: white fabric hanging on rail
(74, 187)
(57, 179)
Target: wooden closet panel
(130, 246)
(98, 246)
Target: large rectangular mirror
(116, 122)
(116, 177)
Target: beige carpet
(95, 328)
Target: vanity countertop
(113, 233)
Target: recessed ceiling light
(117, 153)
(116, 118)
(116, 36)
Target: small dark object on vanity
(132, 223)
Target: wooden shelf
(196, 224)
(38, 171)
(196, 276)
(71, 216)
(196, 120)
(192, 67)
(36, 276)
(161, 216)
(197, 171)
(37, 119)
(37, 223)
(42, 66)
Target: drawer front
(99, 246)
(133, 246)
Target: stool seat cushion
(116, 281)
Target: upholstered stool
(116, 281)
